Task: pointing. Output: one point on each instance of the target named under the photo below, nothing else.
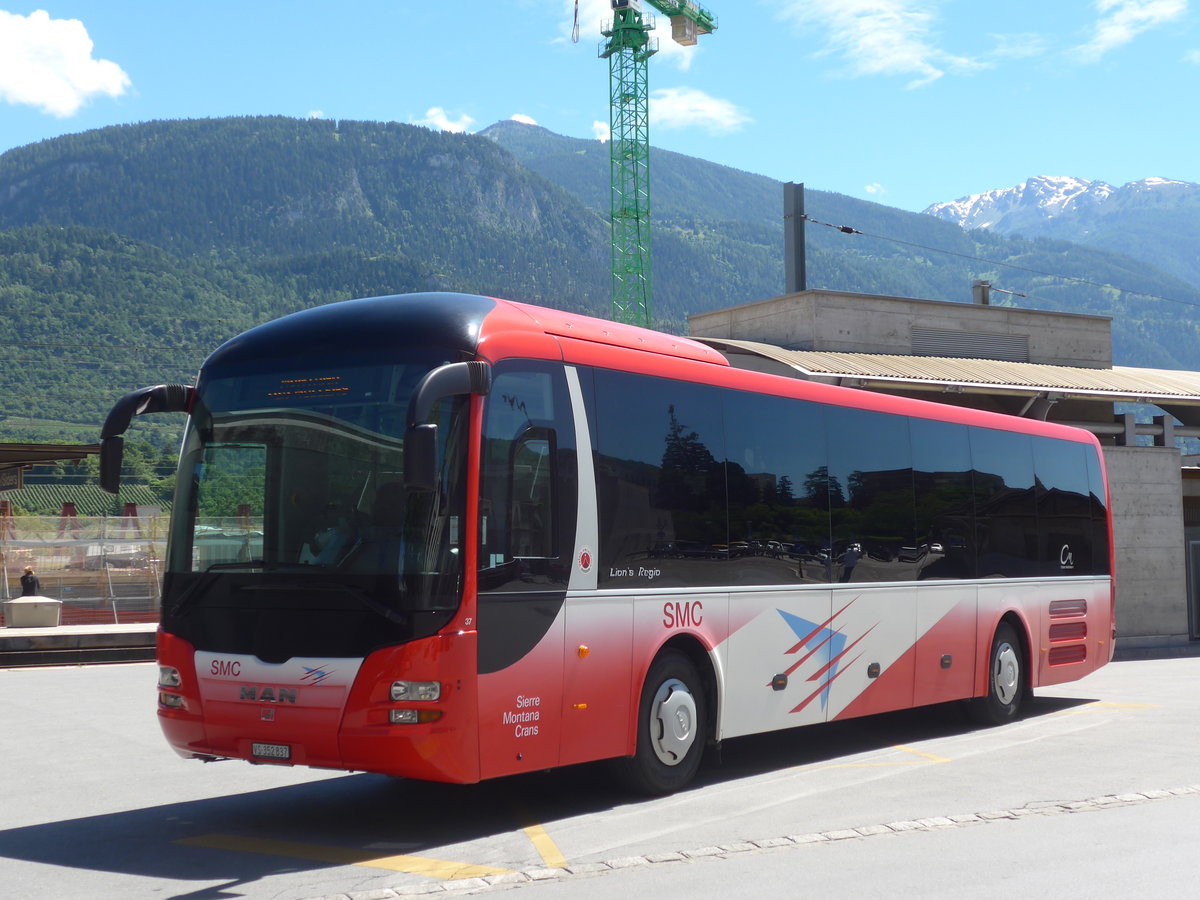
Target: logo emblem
(825, 647)
(315, 675)
(585, 560)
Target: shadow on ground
(363, 813)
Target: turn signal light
(413, 716)
(170, 701)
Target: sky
(904, 102)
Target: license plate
(271, 751)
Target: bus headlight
(168, 677)
(170, 701)
(416, 690)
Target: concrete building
(1047, 365)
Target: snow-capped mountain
(1048, 195)
(1154, 219)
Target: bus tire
(1006, 680)
(671, 728)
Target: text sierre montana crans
(525, 716)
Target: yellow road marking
(932, 757)
(546, 848)
(413, 865)
(542, 842)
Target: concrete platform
(1155, 646)
(66, 645)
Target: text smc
(683, 615)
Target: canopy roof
(1175, 391)
(13, 456)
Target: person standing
(31, 585)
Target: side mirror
(420, 437)
(160, 398)
(112, 451)
(420, 458)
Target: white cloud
(601, 131)
(1193, 57)
(524, 119)
(1018, 46)
(316, 113)
(686, 107)
(877, 37)
(1123, 20)
(436, 117)
(875, 189)
(47, 63)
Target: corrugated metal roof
(980, 375)
(43, 454)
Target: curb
(937, 823)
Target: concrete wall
(866, 323)
(1147, 506)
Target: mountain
(285, 195)
(684, 188)
(1156, 220)
(127, 254)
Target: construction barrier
(105, 569)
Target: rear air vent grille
(1062, 656)
(1062, 609)
(1068, 631)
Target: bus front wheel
(672, 718)
(1006, 680)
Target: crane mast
(628, 47)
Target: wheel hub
(1007, 675)
(673, 722)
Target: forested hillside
(288, 193)
(127, 254)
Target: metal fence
(104, 569)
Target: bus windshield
(291, 482)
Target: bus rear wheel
(672, 722)
(1006, 680)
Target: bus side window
(531, 513)
(527, 480)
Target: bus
(452, 537)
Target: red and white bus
(451, 537)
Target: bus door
(527, 523)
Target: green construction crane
(628, 48)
